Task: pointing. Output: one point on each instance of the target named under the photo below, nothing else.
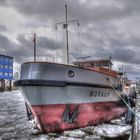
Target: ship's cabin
(103, 66)
(106, 63)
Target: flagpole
(67, 39)
(34, 40)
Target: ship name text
(99, 94)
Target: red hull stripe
(50, 117)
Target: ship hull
(63, 97)
(62, 108)
(50, 118)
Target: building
(6, 67)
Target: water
(14, 123)
(13, 120)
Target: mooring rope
(122, 99)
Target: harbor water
(15, 125)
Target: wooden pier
(5, 85)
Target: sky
(107, 28)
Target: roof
(6, 56)
(92, 61)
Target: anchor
(69, 116)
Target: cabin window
(92, 64)
(87, 65)
(98, 64)
(105, 64)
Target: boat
(66, 96)
(63, 97)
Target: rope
(123, 99)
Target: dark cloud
(131, 69)
(33, 24)
(123, 55)
(7, 47)
(24, 50)
(44, 10)
(2, 28)
(5, 43)
(43, 43)
(3, 2)
(102, 41)
(85, 12)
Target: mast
(34, 40)
(65, 26)
(67, 39)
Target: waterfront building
(6, 67)
(6, 72)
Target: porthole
(70, 73)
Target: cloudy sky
(107, 28)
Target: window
(6, 74)
(10, 74)
(1, 58)
(105, 64)
(1, 73)
(1, 66)
(92, 64)
(87, 65)
(6, 59)
(6, 66)
(10, 67)
(11, 60)
(98, 64)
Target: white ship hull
(65, 97)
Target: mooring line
(123, 99)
